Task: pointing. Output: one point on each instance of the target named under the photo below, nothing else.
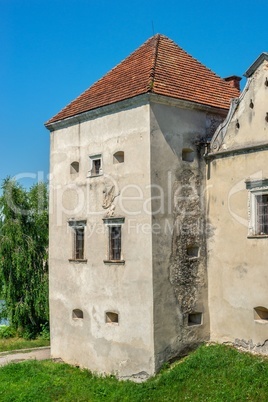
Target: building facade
(237, 206)
(132, 225)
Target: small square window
(95, 165)
(187, 155)
(194, 319)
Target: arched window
(260, 313)
(77, 314)
(74, 167)
(119, 157)
(111, 317)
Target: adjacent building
(237, 210)
(152, 250)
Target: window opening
(193, 251)
(262, 214)
(187, 155)
(260, 313)
(79, 235)
(96, 165)
(118, 157)
(111, 317)
(78, 229)
(115, 242)
(194, 319)
(74, 167)
(258, 207)
(114, 226)
(77, 314)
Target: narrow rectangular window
(79, 235)
(78, 240)
(114, 235)
(115, 242)
(262, 214)
(96, 165)
(257, 207)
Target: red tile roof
(158, 66)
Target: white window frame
(91, 172)
(256, 188)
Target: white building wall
(94, 286)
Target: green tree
(24, 255)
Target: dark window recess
(77, 314)
(262, 214)
(115, 242)
(118, 157)
(79, 237)
(74, 167)
(96, 165)
(111, 317)
(260, 313)
(193, 251)
(187, 155)
(194, 319)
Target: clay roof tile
(158, 66)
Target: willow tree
(24, 254)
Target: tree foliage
(24, 255)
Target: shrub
(7, 332)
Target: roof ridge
(152, 72)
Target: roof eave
(137, 100)
(97, 112)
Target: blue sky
(52, 50)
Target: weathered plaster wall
(180, 281)
(93, 286)
(237, 268)
(237, 263)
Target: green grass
(212, 373)
(20, 343)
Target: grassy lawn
(212, 373)
(20, 343)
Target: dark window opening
(118, 157)
(187, 155)
(194, 319)
(79, 236)
(192, 251)
(260, 313)
(96, 166)
(111, 318)
(74, 167)
(77, 314)
(262, 214)
(115, 242)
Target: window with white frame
(114, 226)
(95, 168)
(258, 207)
(78, 238)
